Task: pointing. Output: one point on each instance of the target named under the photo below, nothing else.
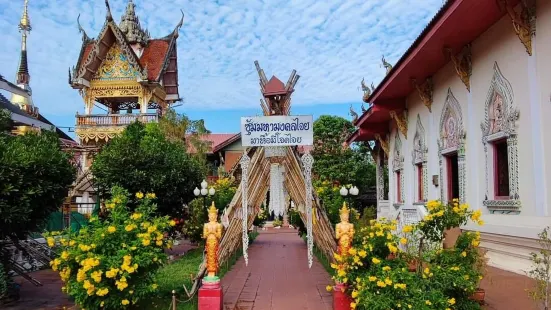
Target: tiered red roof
(218, 140)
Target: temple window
(501, 170)
(398, 167)
(453, 176)
(451, 150)
(420, 195)
(499, 137)
(419, 157)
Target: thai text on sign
(280, 130)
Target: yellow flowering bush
(110, 263)
(376, 268)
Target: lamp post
(353, 191)
(204, 191)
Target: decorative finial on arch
(179, 25)
(366, 90)
(354, 115)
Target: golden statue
(212, 231)
(344, 231)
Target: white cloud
(332, 45)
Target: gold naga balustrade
(115, 119)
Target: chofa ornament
(344, 231)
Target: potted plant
(481, 265)
(541, 271)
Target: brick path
(277, 277)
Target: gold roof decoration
(212, 209)
(344, 209)
(25, 22)
(131, 28)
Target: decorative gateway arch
(271, 162)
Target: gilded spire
(23, 76)
(130, 26)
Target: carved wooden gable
(419, 143)
(398, 157)
(116, 66)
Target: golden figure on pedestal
(212, 232)
(344, 231)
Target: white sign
(279, 130)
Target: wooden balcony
(113, 120)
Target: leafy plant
(225, 188)
(111, 263)
(143, 159)
(376, 267)
(261, 217)
(277, 223)
(34, 176)
(193, 226)
(541, 271)
(335, 163)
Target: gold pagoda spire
(23, 77)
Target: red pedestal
(210, 296)
(341, 300)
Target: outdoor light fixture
(343, 191)
(204, 191)
(211, 191)
(353, 191)
(196, 192)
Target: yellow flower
(154, 286)
(352, 251)
(101, 304)
(172, 223)
(428, 302)
(64, 255)
(159, 243)
(109, 205)
(362, 253)
(386, 268)
(96, 275)
(381, 284)
(81, 275)
(372, 279)
(55, 263)
(400, 285)
(481, 223)
(341, 273)
(152, 229)
(136, 216)
(407, 228)
(403, 240)
(125, 302)
(392, 248)
(375, 260)
(51, 242)
(112, 273)
(427, 270)
(102, 291)
(475, 243)
(353, 305)
(476, 215)
(333, 265)
(329, 288)
(139, 195)
(111, 229)
(464, 254)
(388, 281)
(451, 301)
(354, 294)
(130, 227)
(455, 268)
(146, 242)
(72, 242)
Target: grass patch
(174, 276)
(324, 260)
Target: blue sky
(332, 44)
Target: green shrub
(111, 263)
(193, 226)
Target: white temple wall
(508, 237)
(542, 55)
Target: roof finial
(131, 28)
(85, 37)
(25, 22)
(108, 16)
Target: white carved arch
(452, 140)
(398, 164)
(500, 117)
(419, 155)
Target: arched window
(499, 138)
(398, 168)
(451, 151)
(419, 160)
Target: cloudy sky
(332, 44)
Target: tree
(337, 163)
(145, 159)
(34, 178)
(181, 129)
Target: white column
(432, 165)
(540, 180)
(473, 197)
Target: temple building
(462, 115)
(125, 73)
(24, 114)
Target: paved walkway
(277, 277)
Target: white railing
(115, 119)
